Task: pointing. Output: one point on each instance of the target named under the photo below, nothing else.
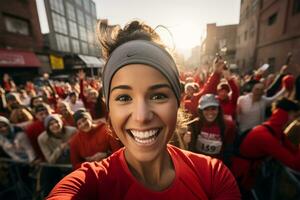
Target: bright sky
(186, 19)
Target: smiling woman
(142, 92)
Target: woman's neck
(157, 174)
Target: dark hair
(287, 105)
(297, 88)
(111, 37)
(202, 121)
(41, 107)
(248, 86)
(34, 98)
(100, 108)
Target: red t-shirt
(33, 131)
(197, 177)
(260, 143)
(83, 145)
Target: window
(91, 49)
(58, 6)
(247, 12)
(75, 46)
(245, 35)
(252, 32)
(16, 25)
(79, 2)
(82, 33)
(80, 17)
(86, 4)
(272, 19)
(62, 43)
(71, 11)
(93, 8)
(90, 37)
(73, 29)
(88, 22)
(296, 6)
(59, 23)
(84, 48)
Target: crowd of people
(125, 122)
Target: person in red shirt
(265, 141)
(142, 93)
(63, 108)
(34, 129)
(210, 87)
(92, 142)
(212, 133)
(228, 101)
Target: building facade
(72, 25)
(247, 34)
(21, 39)
(221, 40)
(279, 34)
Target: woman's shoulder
(43, 137)
(70, 129)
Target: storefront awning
(91, 61)
(13, 58)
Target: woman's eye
(159, 97)
(123, 98)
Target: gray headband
(141, 52)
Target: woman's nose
(142, 112)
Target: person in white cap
(212, 134)
(14, 142)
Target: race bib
(209, 144)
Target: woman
(142, 92)
(14, 142)
(54, 141)
(212, 134)
(92, 142)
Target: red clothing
(83, 145)
(210, 86)
(90, 106)
(229, 105)
(197, 177)
(212, 132)
(261, 143)
(33, 131)
(68, 121)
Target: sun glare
(183, 36)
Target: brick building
(247, 33)
(219, 39)
(20, 38)
(279, 34)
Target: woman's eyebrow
(158, 86)
(153, 87)
(122, 87)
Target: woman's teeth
(145, 137)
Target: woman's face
(143, 111)
(4, 128)
(84, 124)
(210, 113)
(55, 127)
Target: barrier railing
(23, 180)
(277, 182)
